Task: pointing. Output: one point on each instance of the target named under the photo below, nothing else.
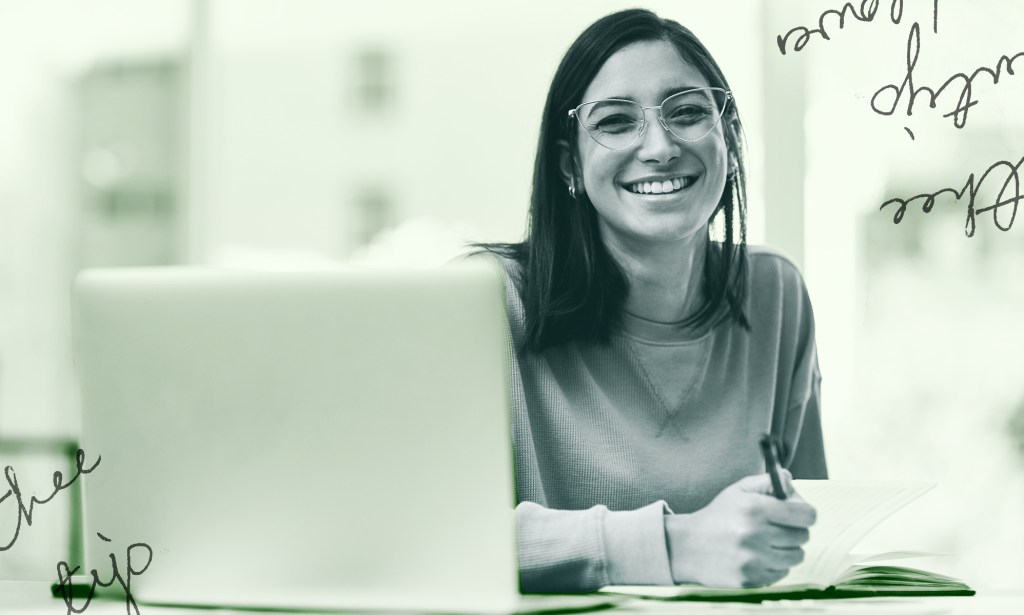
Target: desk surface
(32, 598)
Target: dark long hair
(572, 289)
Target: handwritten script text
(139, 550)
(971, 189)
(25, 513)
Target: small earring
(572, 190)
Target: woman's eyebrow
(665, 93)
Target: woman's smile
(659, 186)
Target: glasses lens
(692, 115)
(614, 124)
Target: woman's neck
(666, 279)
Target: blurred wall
(332, 123)
(82, 153)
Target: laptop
(334, 440)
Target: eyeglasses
(688, 116)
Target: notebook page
(854, 559)
(847, 511)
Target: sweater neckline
(655, 332)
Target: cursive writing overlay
(965, 100)
(971, 189)
(25, 513)
(64, 573)
(868, 10)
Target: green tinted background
(302, 134)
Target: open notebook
(847, 511)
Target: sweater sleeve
(808, 460)
(582, 550)
(805, 443)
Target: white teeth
(662, 187)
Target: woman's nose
(656, 143)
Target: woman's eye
(689, 114)
(615, 123)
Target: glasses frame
(575, 112)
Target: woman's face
(649, 72)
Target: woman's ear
(567, 166)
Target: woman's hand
(745, 537)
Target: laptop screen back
(308, 440)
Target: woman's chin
(659, 232)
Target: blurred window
(375, 79)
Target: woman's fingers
(794, 512)
(783, 537)
(756, 574)
(784, 559)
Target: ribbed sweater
(611, 438)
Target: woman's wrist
(678, 529)
(635, 546)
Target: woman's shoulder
(507, 258)
(776, 287)
(767, 265)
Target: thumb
(762, 483)
(755, 483)
(786, 478)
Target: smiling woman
(647, 359)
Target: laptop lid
(300, 440)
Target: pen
(771, 464)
